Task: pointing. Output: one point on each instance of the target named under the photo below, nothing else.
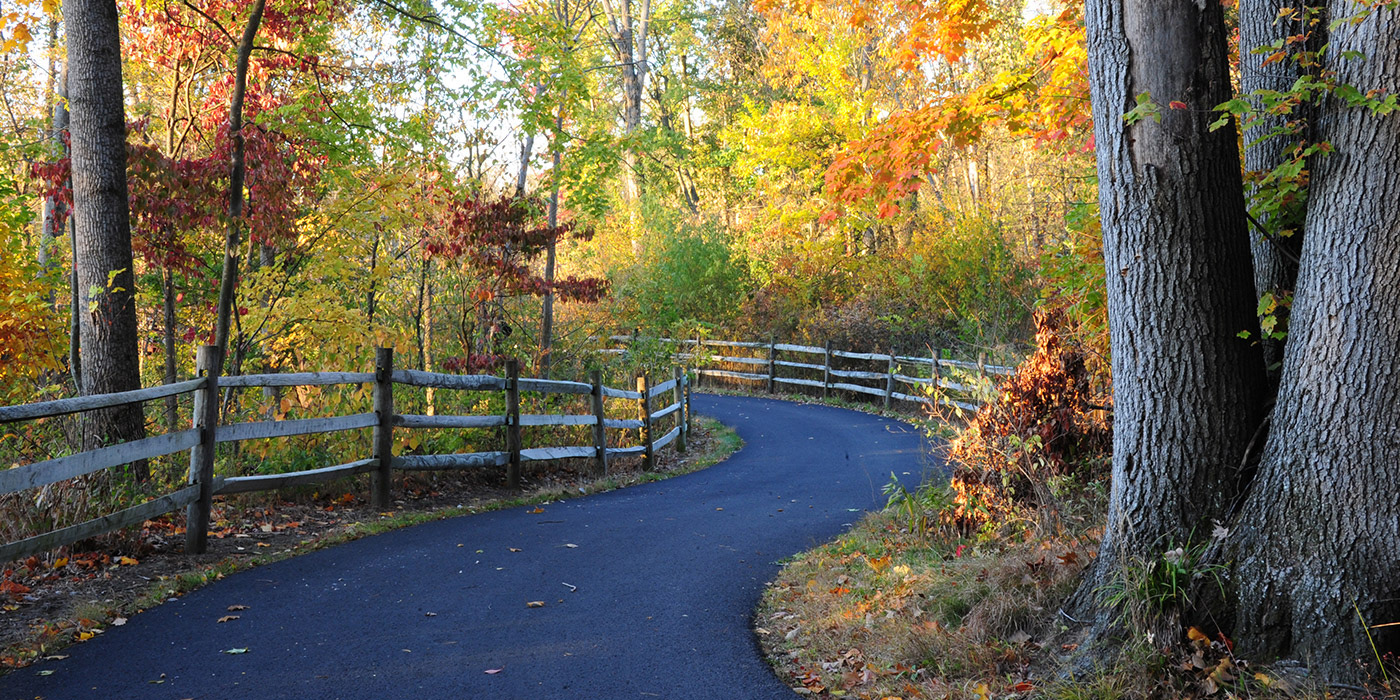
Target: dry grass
(887, 614)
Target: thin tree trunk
(523, 175)
(103, 246)
(1187, 391)
(50, 225)
(627, 31)
(547, 307)
(373, 282)
(172, 406)
(228, 281)
(1275, 254)
(75, 357)
(1316, 541)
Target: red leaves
(497, 238)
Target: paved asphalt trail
(667, 576)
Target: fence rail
(206, 432)
(889, 373)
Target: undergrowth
(957, 590)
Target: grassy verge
(88, 607)
(892, 613)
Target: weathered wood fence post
(678, 397)
(889, 379)
(685, 375)
(205, 419)
(644, 388)
(826, 370)
(772, 362)
(695, 358)
(600, 433)
(513, 422)
(383, 430)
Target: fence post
(383, 430)
(205, 418)
(889, 380)
(678, 395)
(513, 422)
(826, 370)
(982, 362)
(935, 372)
(600, 434)
(772, 360)
(685, 427)
(695, 359)
(643, 388)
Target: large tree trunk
(1275, 249)
(103, 245)
(1187, 391)
(1318, 540)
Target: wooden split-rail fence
(206, 433)
(893, 376)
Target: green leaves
(1145, 108)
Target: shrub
(1040, 430)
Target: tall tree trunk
(547, 307)
(1316, 542)
(228, 281)
(103, 249)
(627, 31)
(370, 300)
(1187, 391)
(51, 226)
(527, 148)
(167, 285)
(1275, 255)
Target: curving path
(666, 577)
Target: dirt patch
(72, 594)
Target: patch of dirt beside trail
(72, 594)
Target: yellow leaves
(1196, 635)
(126, 561)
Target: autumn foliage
(1040, 427)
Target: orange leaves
(1043, 94)
(942, 30)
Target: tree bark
(1316, 541)
(1187, 391)
(103, 245)
(228, 281)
